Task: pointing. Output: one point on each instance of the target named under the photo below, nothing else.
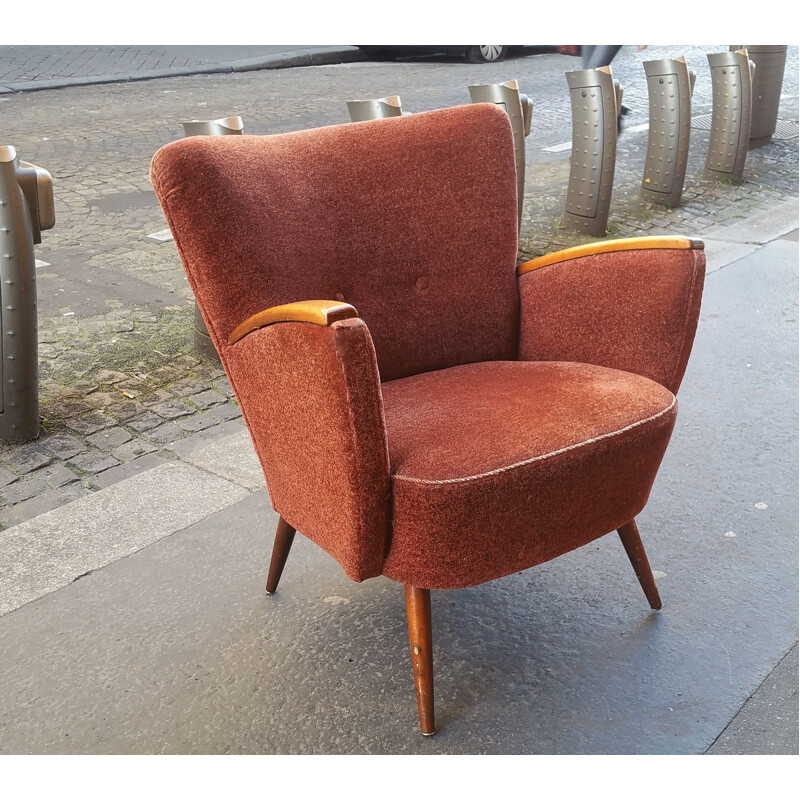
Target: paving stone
(34, 506)
(93, 462)
(127, 409)
(197, 422)
(109, 438)
(91, 423)
(132, 449)
(172, 409)
(157, 398)
(6, 477)
(24, 489)
(165, 434)
(109, 376)
(226, 412)
(27, 458)
(128, 470)
(224, 385)
(58, 475)
(187, 386)
(208, 399)
(145, 422)
(62, 445)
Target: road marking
(38, 263)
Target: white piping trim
(539, 458)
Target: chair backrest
(413, 220)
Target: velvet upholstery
(635, 310)
(499, 466)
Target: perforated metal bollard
(770, 61)
(595, 99)
(731, 89)
(226, 126)
(363, 110)
(670, 83)
(26, 209)
(519, 108)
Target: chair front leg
(632, 542)
(418, 609)
(284, 536)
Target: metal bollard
(226, 126)
(519, 108)
(363, 110)
(596, 99)
(770, 61)
(26, 209)
(670, 83)
(731, 89)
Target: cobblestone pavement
(120, 384)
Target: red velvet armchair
(439, 417)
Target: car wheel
(482, 53)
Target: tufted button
(339, 296)
(422, 282)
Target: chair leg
(418, 609)
(632, 542)
(284, 536)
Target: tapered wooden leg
(632, 542)
(284, 537)
(418, 609)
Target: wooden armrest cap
(318, 312)
(612, 246)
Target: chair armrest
(310, 396)
(319, 312)
(631, 304)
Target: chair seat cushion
(500, 465)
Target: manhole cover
(784, 129)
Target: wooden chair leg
(632, 542)
(284, 537)
(418, 609)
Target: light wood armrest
(612, 246)
(319, 312)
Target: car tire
(486, 53)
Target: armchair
(435, 417)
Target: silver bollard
(214, 127)
(226, 126)
(731, 89)
(670, 83)
(519, 108)
(595, 99)
(363, 110)
(26, 209)
(770, 61)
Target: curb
(301, 58)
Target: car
(474, 53)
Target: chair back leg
(418, 609)
(632, 542)
(284, 536)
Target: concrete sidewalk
(26, 68)
(135, 620)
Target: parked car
(475, 53)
